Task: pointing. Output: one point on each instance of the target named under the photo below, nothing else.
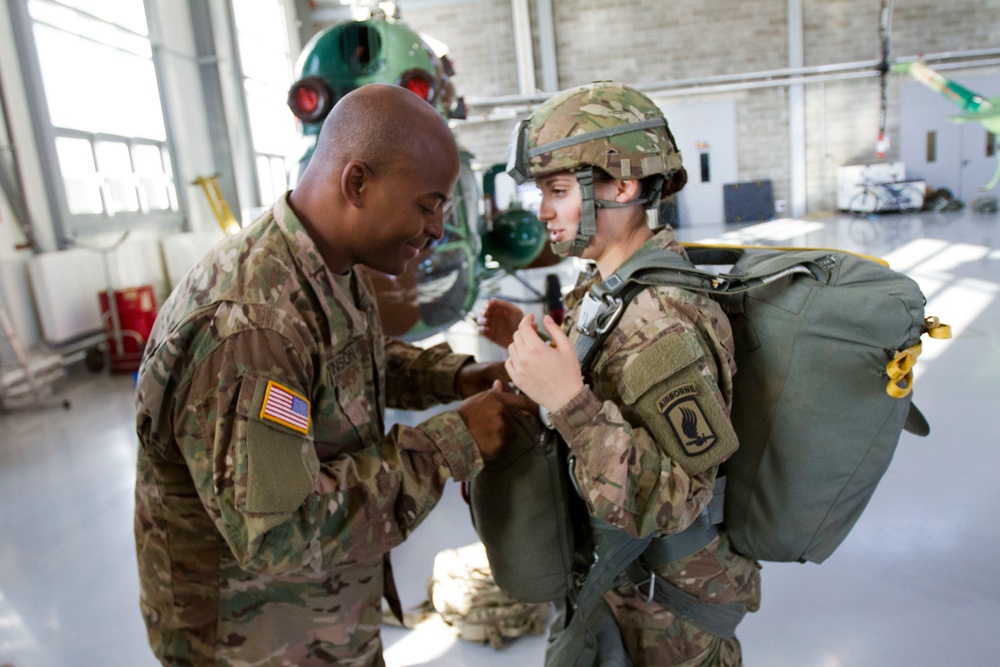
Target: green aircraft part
(514, 238)
(983, 110)
(354, 53)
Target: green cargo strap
(719, 619)
(588, 211)
(604, 303)
(577, 644)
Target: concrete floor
(916, 584)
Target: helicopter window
(360, 46)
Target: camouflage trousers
(653, 635)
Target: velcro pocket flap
(280, 465)
(656, 363)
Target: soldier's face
(405, 211)
(560, 207)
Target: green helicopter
(441, 285)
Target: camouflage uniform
(263, 536)
(670, 355)
(627, 478)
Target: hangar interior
(136, 132)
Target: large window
(267, 75)
(103, 100)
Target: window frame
(66, 225)
(255, 154)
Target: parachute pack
(825, 346)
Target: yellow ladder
(216, 200)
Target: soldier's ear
(355, 180)
(627, 190)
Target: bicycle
(884, 197)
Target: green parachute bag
(825, 345)
(520, 505)
(822, 391)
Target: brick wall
(651, 41)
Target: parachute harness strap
(900, 369)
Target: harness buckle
(598, 315)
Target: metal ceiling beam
(510, 105)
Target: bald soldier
(268, 494)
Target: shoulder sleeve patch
(691, 427)
(677, 403)
(283, 406)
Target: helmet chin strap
(588, 211)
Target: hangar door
(706, 135)
(957, 156)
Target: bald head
(385, 126)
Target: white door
(943, 153)
(978, 164)
(706, 135)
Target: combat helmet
(603, 125)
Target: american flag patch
(285, 407)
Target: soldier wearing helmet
(602, 154)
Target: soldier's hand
(485, 415)
(547, 372)
(499, 321)
(475, 377)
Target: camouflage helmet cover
(600, 108)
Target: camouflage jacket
(630, 461)
(268, 493)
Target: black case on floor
(753, 200)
